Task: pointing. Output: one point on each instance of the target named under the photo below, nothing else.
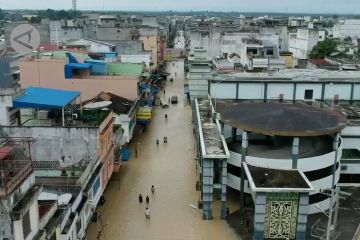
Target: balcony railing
(9, 184)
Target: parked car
(174, 99)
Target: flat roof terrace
(282, 119)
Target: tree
(323, 49)
(2, 15)
(36, 19)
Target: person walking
(164, 91)
(165, 116)
(164, 139)
(157, 142)
(152, 189)
(147, 213)
(140, 198)
(147, 199)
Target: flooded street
(171, 169)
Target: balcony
(15, 166)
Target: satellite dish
(46, 196)
(64, 199)
(97, 105)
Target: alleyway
(171, 168)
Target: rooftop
(119, 104)
(268, 179)
(282, 119)
(45, 98)
(212, 142)
(125, 69)
(292, 75)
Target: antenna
(74, 3)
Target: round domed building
(284, 136)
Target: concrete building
(84, 167)
(64, 30)
(124, 111)
(48, 71)
(258, 55)
(89, 45)
(302, 42)
(9, 69)
(199, 72)
(288, 146)
(338, 90)
(19, 218)
(347, 28)
(43, 28)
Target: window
(308, 94)
(96, 187)
(26, 224)
(252, 51)
(270, 52)
(118, 30)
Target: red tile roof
(319, 62)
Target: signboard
(281, 213)
(171, 53)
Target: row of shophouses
(63, 135)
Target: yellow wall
(289, 62)
(151, 44)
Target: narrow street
(171, 169)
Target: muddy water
(171, 168)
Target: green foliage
(57, 15)
(323, 49)
(35, 19)
(2, 15)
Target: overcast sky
(291, 6)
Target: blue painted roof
(45, 98)
(79, 65)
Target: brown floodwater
(171, 169)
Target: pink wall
(52, 75)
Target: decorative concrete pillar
(223, 187)
(295, 152)
(244, 148)
(259, 215)
(207, 188)
(302, 216)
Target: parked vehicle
(174, 99)
(163, 103)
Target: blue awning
(45, 98)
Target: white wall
(52, 143)
(251, 91)
(136, 59)
(343, 90)
(275, 89)
(301, 87)
(223, 91)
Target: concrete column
(223, 187)
(295, 152)
(244, 148)
(259, 215)
(335, 147)
(233, 134)
(207, 187)
(302, 216)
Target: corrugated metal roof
(45, 98)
